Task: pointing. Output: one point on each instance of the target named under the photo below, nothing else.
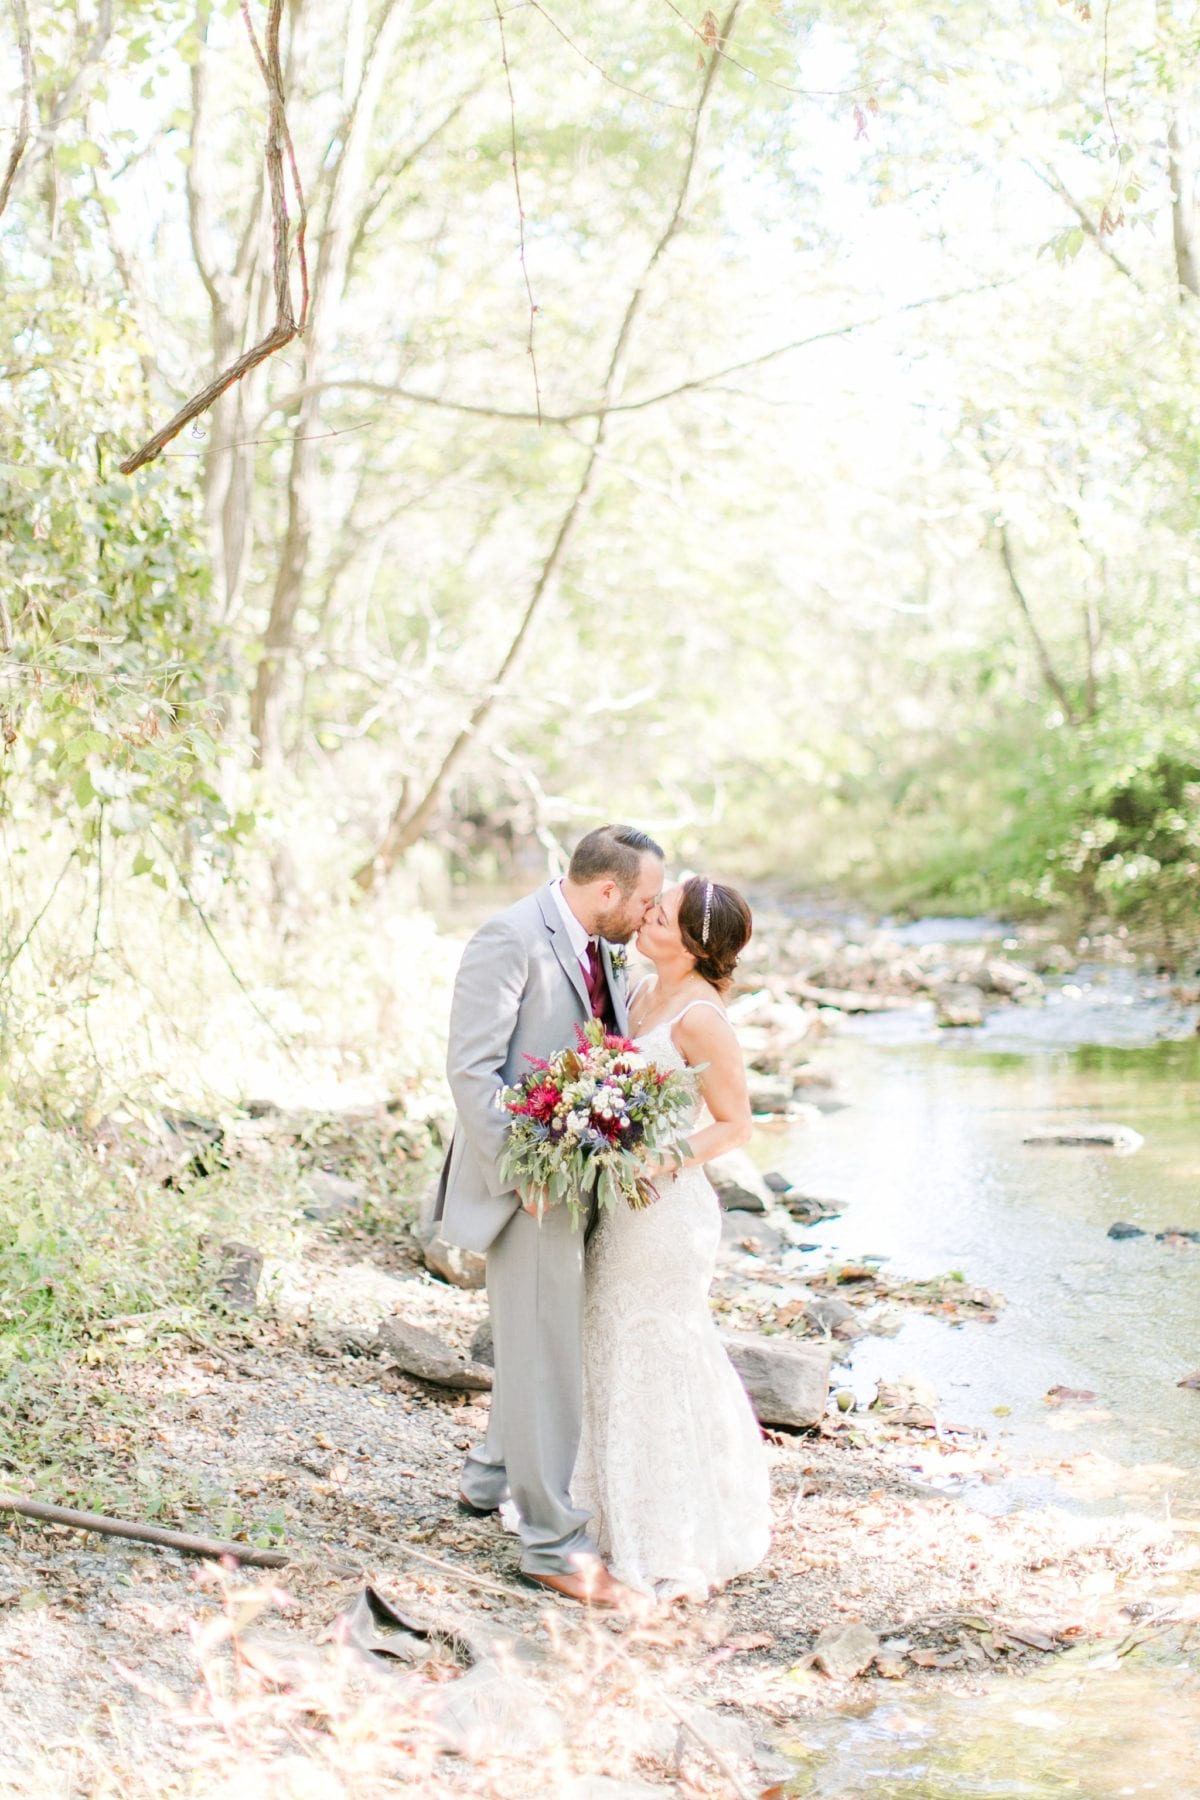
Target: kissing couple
(618, 1428)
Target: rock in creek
(829, 1313)
(809, 1209)
(419, 1353)
(771, 1093)
(844, 1651)
(1105, 1137)
(751, 1233)
(740, 1187)
(788, 1383)
(461, 1268)
(1121, 1229)
(959, 1006)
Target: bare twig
(479, 410)
(39, 916)
(716, 42)
(639, 93)
(142, 1534)
(512, 115)
(6, 629)
(215, 942)
(286, 326)
(20, 14)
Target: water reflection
(928, 1155)
(1099, 1733)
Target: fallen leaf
(1059, 1396)
(1190, 1381)
(1031, 1635)
(750, 1640)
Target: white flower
(576, 1122)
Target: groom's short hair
(613, 851)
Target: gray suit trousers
(535, 1291)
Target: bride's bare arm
(704, 1036)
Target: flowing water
(927, 1153)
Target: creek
(927, 1154)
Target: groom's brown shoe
(590, 1586)
(477, 1512)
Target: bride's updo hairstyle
(715, 924)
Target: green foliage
(113, 695)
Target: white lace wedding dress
(671, 1464)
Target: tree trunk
(345, 198)
(1045, 663)
(1181, 167)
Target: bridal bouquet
(590, 1120)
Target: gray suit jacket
(520, 990)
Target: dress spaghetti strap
(693, 1003)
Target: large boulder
(740, 1187)
(788, 1383)
(461, 1268)
(418, 1352)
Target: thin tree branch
(393, 390)
(715, 42)
(286, 326)
(512, 117)
(39, 916)
(20, 14)
(1049, 673)
(1057, 185)
(652, 99)
(99, 38)
(408, 822)
(216, 943)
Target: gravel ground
(355, 1465)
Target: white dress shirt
(577, 935)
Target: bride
(671, 1463)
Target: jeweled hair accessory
(708, 888)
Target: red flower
(541, 1101)
(612, 1042)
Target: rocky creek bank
(344, 1377)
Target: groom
(527, 979)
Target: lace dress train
(671, 1465)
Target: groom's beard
(617, 927)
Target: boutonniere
(618, 956)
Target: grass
(122, 1004)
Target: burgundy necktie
(597, 985)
